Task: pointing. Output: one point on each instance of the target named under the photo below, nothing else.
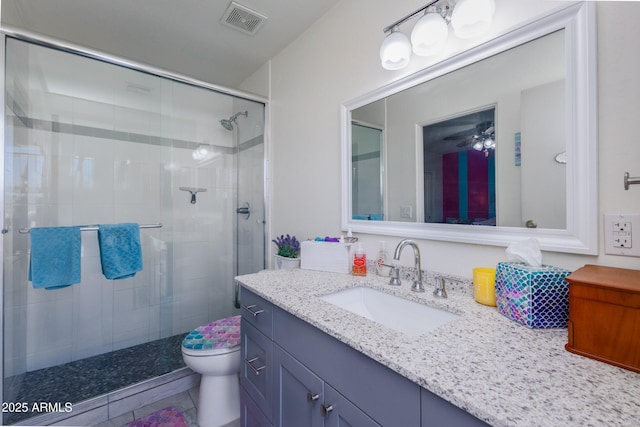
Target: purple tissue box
(537, 297)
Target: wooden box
(604, 315)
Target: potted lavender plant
(287, 257)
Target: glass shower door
(89, 142)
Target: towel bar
(95, 227)
(628, 180)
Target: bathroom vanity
(308, 362)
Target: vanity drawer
(256, 370)
(257, 311)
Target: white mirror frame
(580, 237)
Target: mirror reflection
(459, 169)
(479, 145)
(366, 161)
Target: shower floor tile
(93, 376)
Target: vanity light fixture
(472, 18)
(430, 34)
(468, 18)
(395, 51)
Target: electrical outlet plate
(406, 211)
(618, 234)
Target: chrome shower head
(228, 123)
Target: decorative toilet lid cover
(217, 334)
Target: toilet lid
(218, 335)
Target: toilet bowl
(213, 350)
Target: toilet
(213, 350)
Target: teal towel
(120, 251)
(55, 257)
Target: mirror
(490, 146)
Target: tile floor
(187, 401)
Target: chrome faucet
(395, 279)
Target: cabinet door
(298, 393)
(250, 414)
(256, 372)
(339, 412)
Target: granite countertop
(498, 370)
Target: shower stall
(90, 139)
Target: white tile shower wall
(87, 179)
(99, 315)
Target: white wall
(337, 59)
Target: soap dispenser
(383, 268)
(359, 267)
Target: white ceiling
(181, 36)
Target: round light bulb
(478, 145)
(429, 35)
(471, 18)
(395, 51)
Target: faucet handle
(440, 291)
(417, 286)
(395, 276)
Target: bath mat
(167, 417)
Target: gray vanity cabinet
(304, 399)
(295, 374)
(384, 396)
(438, 412)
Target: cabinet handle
(255, 370)
(324, 410)
(312, 397)
(250, 308)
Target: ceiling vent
(243, 19)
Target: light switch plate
(619, 236)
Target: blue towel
(120, 250)
(55, 257)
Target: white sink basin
(397, 313)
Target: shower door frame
(50, 42)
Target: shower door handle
(244, 210)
